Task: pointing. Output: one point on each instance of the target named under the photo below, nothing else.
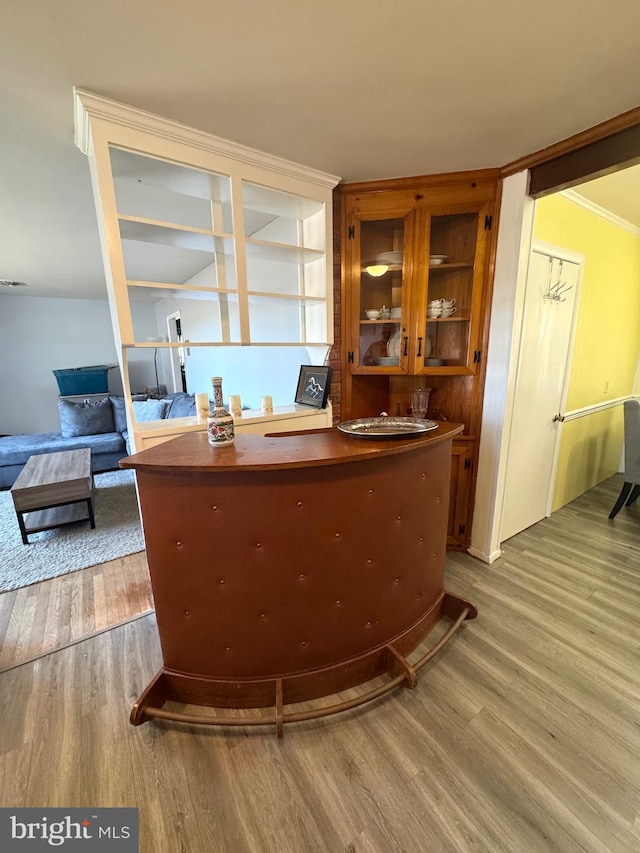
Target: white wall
(141, 361)
(250, 371)
(39, 335)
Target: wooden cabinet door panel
(460, 495)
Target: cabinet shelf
(171, 285)
(396, 320)
(392, 268)
(174, 226)
(281, 252)
(139, 230)
(296, 297)
(454, 319)
(453, 266)
(161, 345)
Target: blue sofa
(101, 426)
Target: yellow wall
(607, 340)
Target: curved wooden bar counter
(286, 568)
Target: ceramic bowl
(372, 313)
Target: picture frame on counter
(314, 384)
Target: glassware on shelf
(420, 402)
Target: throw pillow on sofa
(181, 405)
(91, 417)
(149, 410)
(119, 414)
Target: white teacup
(447, 312)
(435, 303)
(434, 312)
(448, 303)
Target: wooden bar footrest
(160, 690)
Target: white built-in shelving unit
(233, 241)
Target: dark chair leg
(633, 497)
(624, 491)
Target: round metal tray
(387, 427)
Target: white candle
(202, 406)
(267, 403)
(235, 404)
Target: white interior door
(545, 346)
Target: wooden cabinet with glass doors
(416, 262)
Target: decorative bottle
(219, 423)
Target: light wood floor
(50, 615)
(522, 736)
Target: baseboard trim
(481, 555)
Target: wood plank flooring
(50, 615)
(523, 735)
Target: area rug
(66, 549)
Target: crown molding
(609, 127)
(602, 212)
(88, 106)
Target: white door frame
(515, 239)
(174, 353)
(515, 236)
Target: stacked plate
(434, 260)
(393, 345)
(391, 258)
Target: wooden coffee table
(54, 489)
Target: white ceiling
(363, 89)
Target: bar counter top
(192, 451)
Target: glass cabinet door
(450, 320)
(381, 305)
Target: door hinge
(350, 357)
(467, 464)
(461, 529)
(352, 232)
(476, 356)
(488, 221)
